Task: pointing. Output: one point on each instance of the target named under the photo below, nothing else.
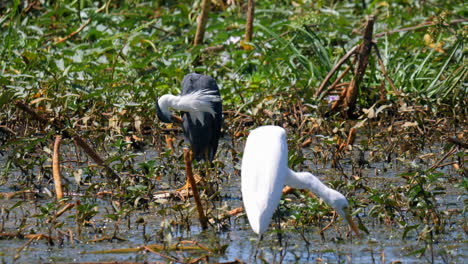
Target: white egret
(265, 172)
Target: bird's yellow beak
(177, 119)
(351, 223)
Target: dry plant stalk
(363, 59)
(249, 22)
(348, 96)
(193, 185)
(56, 167)
(202, 19)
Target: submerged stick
(193, 184)
(202, 19)
(56, 168)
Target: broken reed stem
(363, 60)
(202, 19)
(56, 167)
(249, 22)
(193, 184)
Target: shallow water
(383, 244)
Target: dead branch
(363, 60)
(450, 152)
(202, 19)
(64, 209)
(329, 224)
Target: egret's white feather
(264, 168)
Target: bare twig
(423, 25)
(329, 224)
(336, 83)
(450, 152)
(74, 32)
(64, 209)
(335, 68)
(161, 254)
(6, 130)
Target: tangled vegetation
(91, 71)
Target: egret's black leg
(277, 216)
(260, 237)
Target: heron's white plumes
(166, 101)
(197, 103)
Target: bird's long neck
(305, 180)
(168, 101)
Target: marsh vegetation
(86, 74)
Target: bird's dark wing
(203, 138)
(194, 82)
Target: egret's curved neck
(305, 180)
